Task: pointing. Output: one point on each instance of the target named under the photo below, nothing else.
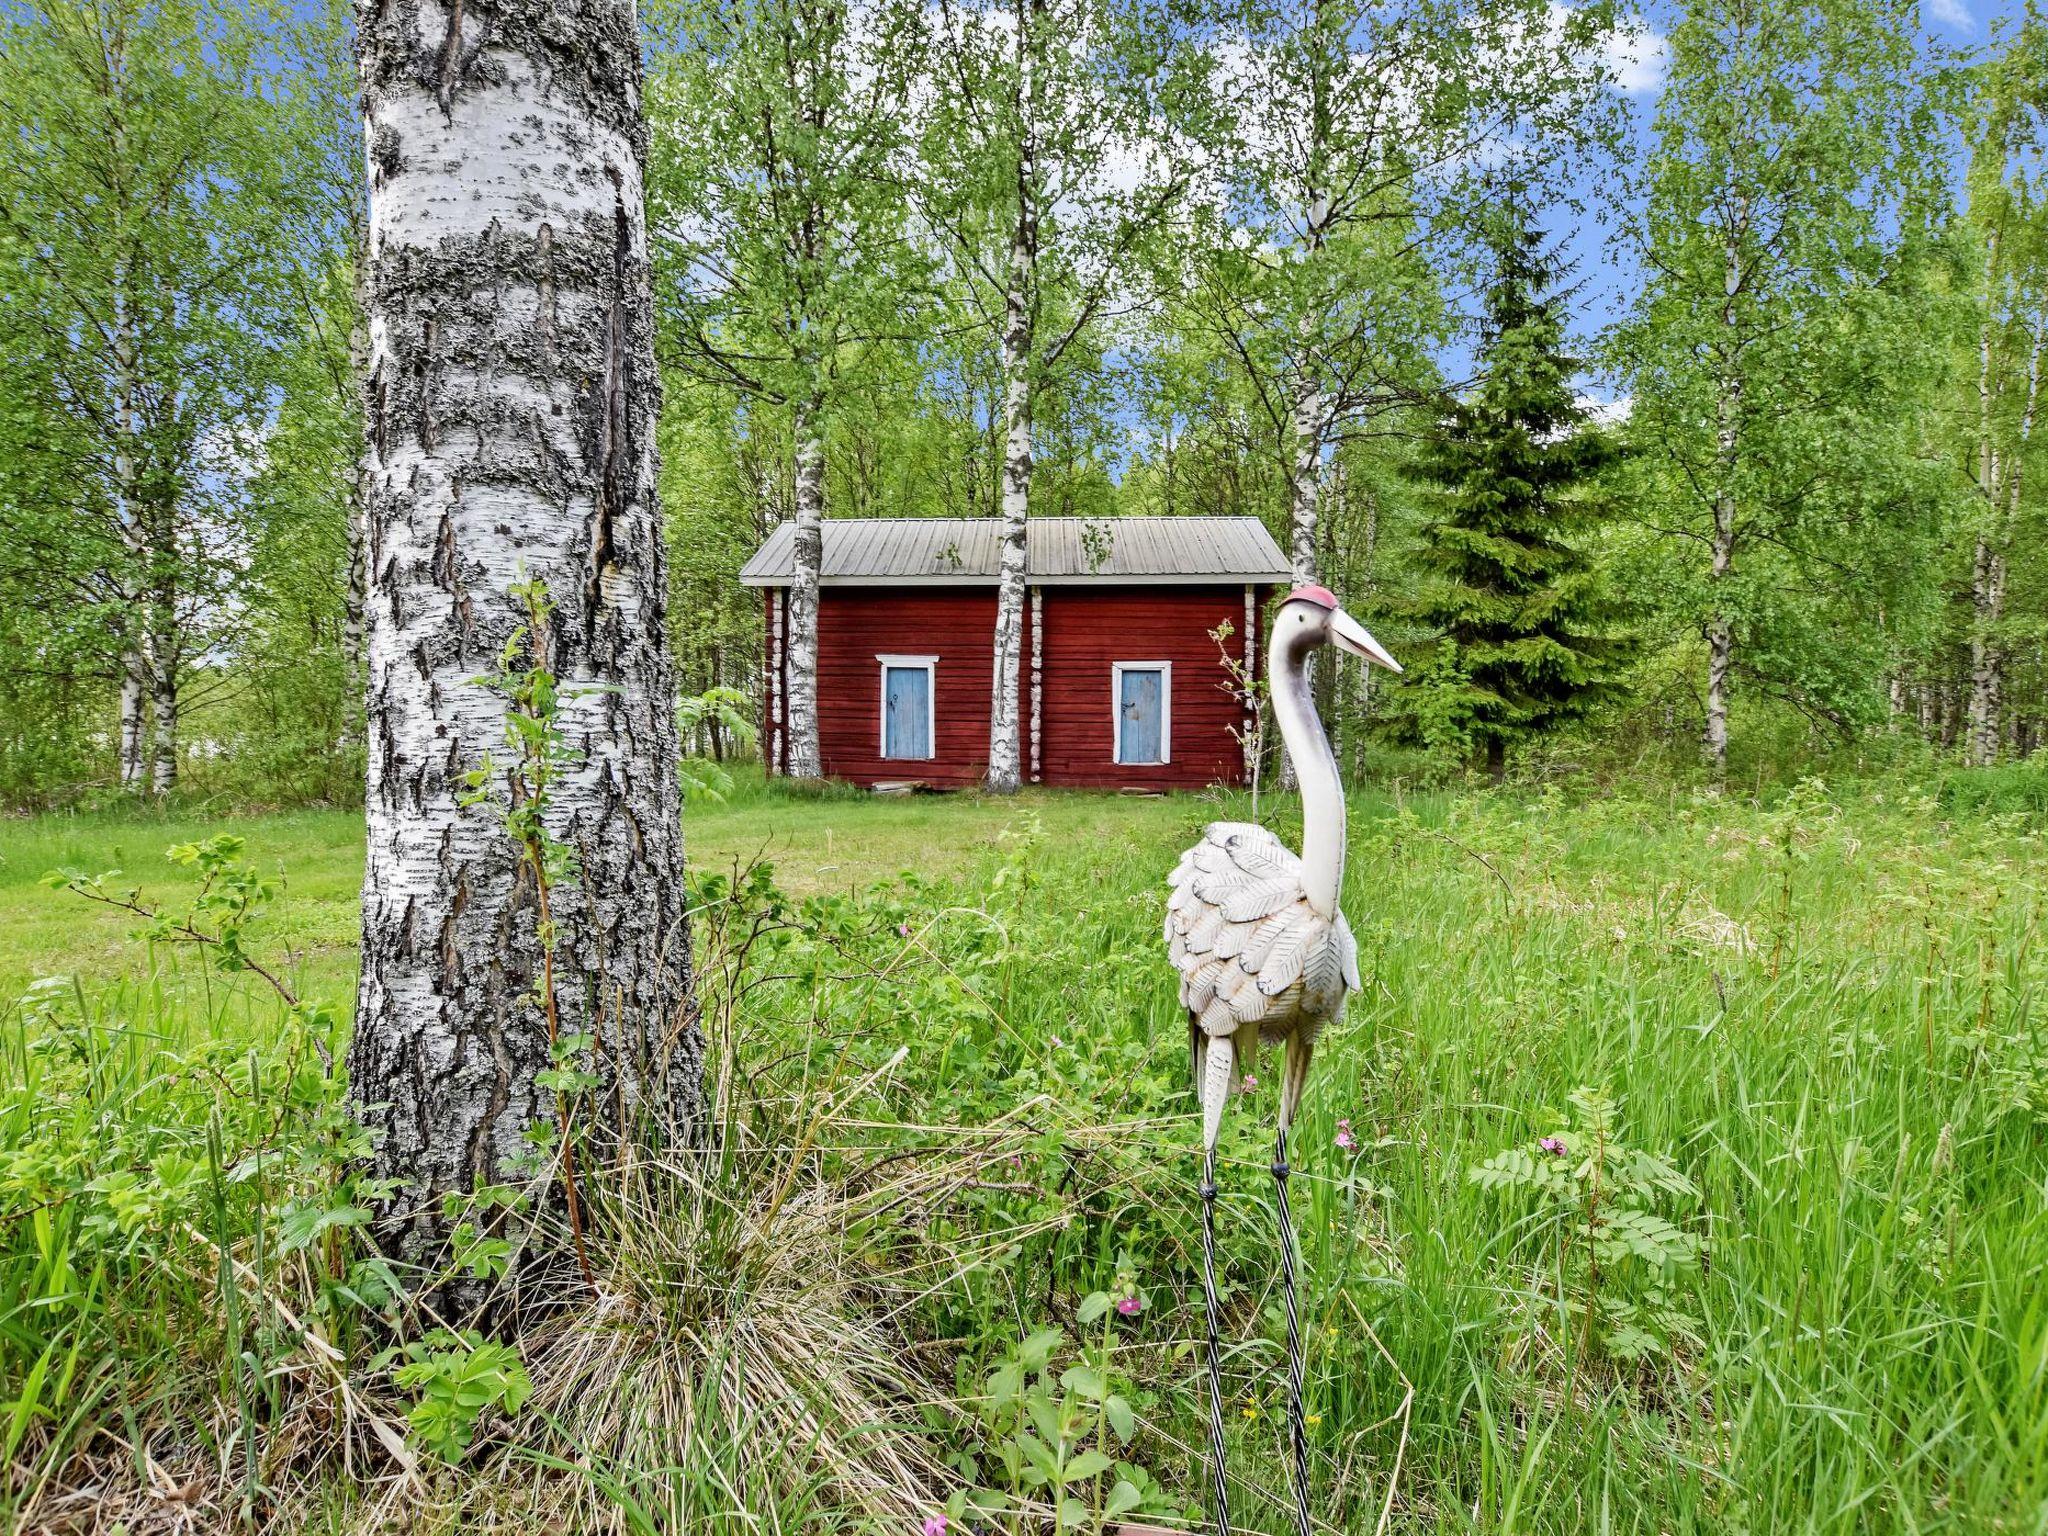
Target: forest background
(1789, 264)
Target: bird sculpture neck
(1315, 770)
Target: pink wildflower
(1250, 1082)
(1554, 1145)
(1345, 1141)
(1055, 1042)
(934, 1525)
(1131, 1305)
(903, 932)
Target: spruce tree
(1528, 638)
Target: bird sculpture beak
(1348, 634)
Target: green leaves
(456, 1379)
(1053, 1435)
(1618, 1258)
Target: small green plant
(455, 1378)
(1060, 1436)
(525, 679)
(1621, 1264)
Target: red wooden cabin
(1120, 683)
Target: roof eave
(1173, 579)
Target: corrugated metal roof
(877, 551)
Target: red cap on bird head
(1322, 597)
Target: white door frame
(1116, 710)
(930, 664)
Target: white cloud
(1952, 13)
(1634, 55)
(1606, 413)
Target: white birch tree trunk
(1005, 764)
(1720, 625)
(1999, 484)
(1987, 604)
(134, 687)
(1005, 753)
(163, 707)
(135, 624)
(512, 400)
(1720, 628)
(1306, 490)
(804, 758)
(163, 647)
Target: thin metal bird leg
(1295, 1076)
(1215, 1089)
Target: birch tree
(1354, 131)
(1793, 175)
(1054, 146)
(781, 240)
(154, 185)
(512, 401)
(2008, 220)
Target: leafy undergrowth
(1679, 1169)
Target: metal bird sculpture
(1264, 954)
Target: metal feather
(1347, 953)
(1285, 961)
(1266, 935)
(1260, 899)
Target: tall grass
(954, 1107)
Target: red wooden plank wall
(1087, 629)
(857, 624)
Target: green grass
(833, 843)
(1819, 1012)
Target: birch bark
(1720, 625)
(134, 624)
(805, 760)
(133, 689)
(1005, 766)
(1999, 485)
(511, 402)
(1306, 498)
(164, 654)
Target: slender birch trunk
(1307, 409)
(805, 759)
(1999, 484)
(512, 400)
(1005, 752)
(1305, 501)
(135, 624)
(134, 688)
(163, 770)
(1983, 665)
(163, 646)
(1720, 626)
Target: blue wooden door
(907, 712)
(1139, 724)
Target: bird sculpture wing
(1251, 952)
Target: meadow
(1682, 1166)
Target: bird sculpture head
(1310, 617)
